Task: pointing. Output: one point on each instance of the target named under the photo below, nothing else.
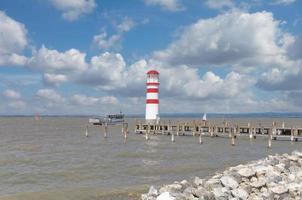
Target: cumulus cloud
(170, 5)
(83, 100)
(50, 96)
(17, 104)
(294, 49)
(54, 79)
(50, 60)
(73, 9)
(214, 41)
(277, 79)
(220, 4)
(13, 40)
(283, 2)
(105, 42)
(11, 94)
(105, 71)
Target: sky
(90, 57)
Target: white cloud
(13, 40)
(50, 95)
(109, 100)
(17, 104)
(73, 9)
(83, 100)
(281, 79)
(52, 60)
(126, 25)
(170, 5)
(214, 41)
(220, 4)
(11, 94)
(105, 42)
(283, 2)
(105, 71)
(54, 79)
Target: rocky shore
(275, 177)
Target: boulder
(229, 181)
(152, 191)
(246, 172)
(198, 181)
(165, 196)
(259, 183)
(240, 194)
(279, 189)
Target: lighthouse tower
(152, 102)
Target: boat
(111, 119)
(204, 118)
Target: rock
(165, 196)
(152, 191)
(198, 181)
(212, 183)
(199, 192)
(293, 158)
(240, 193)
(229, 181)
(173, 188)
(219, 193)
(260, 170)
(246, 172)
(259, 183)
(280, 189)
(297, 153)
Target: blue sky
(90, 57)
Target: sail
(204, 118)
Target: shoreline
(277, 176)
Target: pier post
(125, 130)
(105, 130)
(200, 139)
(86, 131)
(269, 138)
(232, 136)
(147, 132)
(212, 131)
(292, 135)
(194, 129)
(172, 137)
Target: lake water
(52, 159)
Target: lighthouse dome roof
(153, 72)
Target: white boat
(204, 118)
(109, 120)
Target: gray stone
(152, 191)
(229, 181)
(246, 172)
(280, 189)
(259, 183)
(219, 193)
(173, 188)
(297, 153)
(240, 193)
(198, 181)
(212, 183)
(165, 196)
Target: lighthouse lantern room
(152, 101)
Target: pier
(275, 131)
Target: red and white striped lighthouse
(152, 102)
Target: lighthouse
(152, 102)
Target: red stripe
(152, 90)
(152, 101)
(153, 83)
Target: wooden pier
(226, 129)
